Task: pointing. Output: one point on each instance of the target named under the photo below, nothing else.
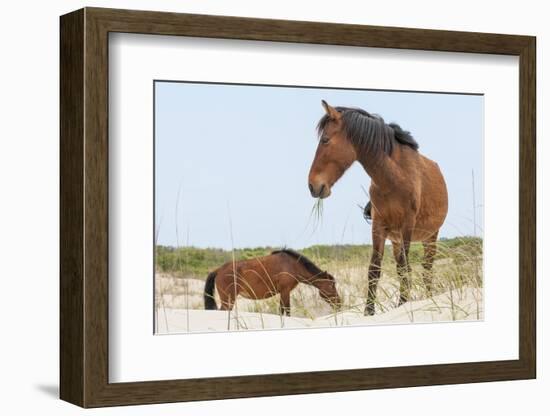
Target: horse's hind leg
(429, 254)
(227, 303)
(401, 254)
(227, 297)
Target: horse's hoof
(369, 311)
(402, 300)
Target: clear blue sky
(240, 156)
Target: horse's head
(334, 155)
(327, 289)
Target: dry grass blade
(317, 213)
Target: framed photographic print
(334, 207)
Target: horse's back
(256, 278)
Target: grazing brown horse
(408, 192)
(264, 277)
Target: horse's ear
(331, 111)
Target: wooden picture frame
(84, 207)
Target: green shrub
(198, 262)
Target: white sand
(465, 305)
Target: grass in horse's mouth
(317, 210)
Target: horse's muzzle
(321, 191)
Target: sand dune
(462, 304)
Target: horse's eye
(325, 140)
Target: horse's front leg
(378, 240)
(284, 302)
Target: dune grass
(458, 267)
(196, 263)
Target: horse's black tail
(209, 301)
(367, 213)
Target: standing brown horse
(264, 277)
(408, 192)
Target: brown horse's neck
(310, 279)
(382, 168)
(305, 276)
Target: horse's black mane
(307, 263)
(368, 132)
